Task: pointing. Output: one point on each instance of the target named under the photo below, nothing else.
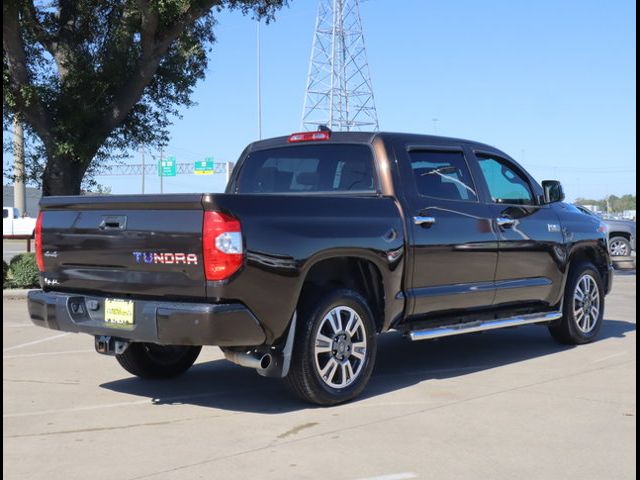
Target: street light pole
(142, 153)
(259, 92)
(161, 173)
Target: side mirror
(553, 191)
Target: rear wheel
(583, 307)
(334, 349)
(148, 360)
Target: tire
(335, 370)
(619, 247)
(148, 360)
(575, 328)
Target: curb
(15, 293)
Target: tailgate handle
(113, 223)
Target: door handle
(505, 222)
(113, 223)
(419, 220)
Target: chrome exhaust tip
(256, 360)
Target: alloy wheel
(340, 347)
(586, 303)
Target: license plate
(118, 311)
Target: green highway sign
(203, 167)
(167, 167)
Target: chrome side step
(483, 325)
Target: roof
(367, 137)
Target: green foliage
(616, 204)
(23, 271)
(5, 273)
(94, 79)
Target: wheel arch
(622, 234)
(355, 272)
(590, 253)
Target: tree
(93, 78)
(616, 204)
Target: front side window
(5, 213)
(506, 185)
(442, 174)
(308, 169)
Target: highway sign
(167, 167)
(203, 167)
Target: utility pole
(142, 154)
(339, 93)
(161, 175)
(258, 82)
(19, 191)
(228, 170)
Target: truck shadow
(400, 364)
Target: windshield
(314, 168)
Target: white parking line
(147, 401)
(35, 342)
(46, 354)
(77, 409)
(393, 476)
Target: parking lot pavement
(500, 405)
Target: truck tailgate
(143, 245)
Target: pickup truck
(321, 241)
(622, 234)
(13, 225)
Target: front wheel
(148, 360)
(619, 247)
(334, 349)
(583, 308)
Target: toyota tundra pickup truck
(322, 241)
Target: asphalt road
(500, 405)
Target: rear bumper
(167, 323)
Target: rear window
(308, 168)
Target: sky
(552, 83)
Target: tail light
(309, 136)
(38, 242)
(221, 246)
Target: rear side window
(308, 168)
(442, 175)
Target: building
(33, 198)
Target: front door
(453, 242)
(531, 253)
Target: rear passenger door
(531, 245)
(453, 246)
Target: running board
(483, 325)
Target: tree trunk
(63, 175)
